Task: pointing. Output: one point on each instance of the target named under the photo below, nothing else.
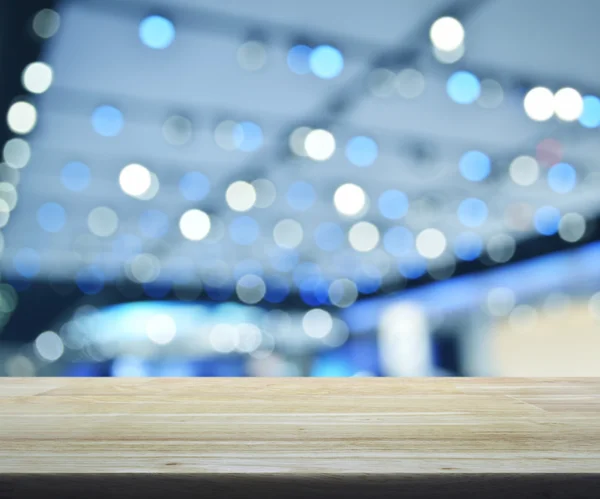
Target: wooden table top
(299, 426)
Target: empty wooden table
(266, 437)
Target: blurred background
(316, 188)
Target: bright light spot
(410, 83)
(362, 151)
(177, 130)
(501, 301)
(319, 145)
(590, 116)
(572, 227)
(431, 243)
(472, 212)
(21, 117)
(51, 217)
(474, 166)
(46, 23)
(298, 139)
(224, 338)
(501, 248)
(144, 268)
(161, 329)
(491, 95)
(107, 121)
(326, 62)
(288, 233)
(524, 170)
(363, 236)
(37, 77)
(393, 204)
(16, 153)
(463, 87)
(342, 293)
(252, 55)
(562, 178)
(317, 323)
(75, 176)
(546, 220)
(250, 289)
(135, 180)
(539, 104)
(49, 346)
(568, 104)
(468, 246)
(349, 199)
(298, 59)
(194, 225)
(240, 196)
(194, 186)
(447, 34)
(153, 190)
(103, 221)
(157, 32)
(265, 192)
(449, 57)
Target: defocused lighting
(8, 298)
(491, 95)
(342, 293)
(19, 366)
(301, 196)
(326, 62)
(362, 151)
(449, 57)
(144, 268)
(249, 337)
(194, 186)
(594, 305)
(447, 33)
(472, 212)
(161, 329)
(349, 199)
(393, 204)
(288, 233)
(240, 196)
(572, 227)
(75, 176)
(46, 23)
(21, 117)
(329, 236)
(519, 216)
(590, 116)
(250, 289)
(224, 338)
(103, 221)
(546, 220)
(37, 77)
(156, 32)
(398, 241)
(265, 192)
(244, 230)
(431, 243)
(177, 130)
(524, 170)
(319, 145)
(194, 225)
(568, 104)
(463, 87)
(225, 137)
(522, 316)
(27, 263)
(562, 178)
(363, 236)
(500, 301)
(298, 59)
(51, 217)
(153, 223)
(252, 55)
(468, 246)
(107, 121)
(245, 267)
(4, 214)
(410, 83)
(135, 180)
(474, 166)
(317, 323)
(297, 140)
(539, 104)
(16, 153)
(90, 280)
(152, 190)
(49, 346)
(501, 248)
(8, 193)
(381, 82)
(248, 136)
(412, 269)
(548, 152)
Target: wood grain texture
(416, 435)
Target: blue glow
(243, 230)
(362, 151)
(367, 279)
(325, 367)
(129, 367)
(393, 204)
(51, 217)
(157, 32)
(326, 62)
(298, 59)
(463, 87)
(590, 117)
(283, 260)
(154, 223)
(277, 290)
(468, 246)
(562, 178)
(546, 220)
(472, 212)
(194, 186)
(90, 280)
(301, 196)
(398, 241)
(107, 121)
(157, 289)
(412, 269)
(314, 291)
(248, 136)
(75, 176)
(246, 267)
(221, 293)
(27, 262)
(474, 166)
(329, 236)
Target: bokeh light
(21, 117)
(491, 95)
(431, 243)
(250, 289)
(362, 151)
(103, 221)
(472, 212)
(252, 55)
(398, 241)
(194, 186)
(363, 236)
(329, 236)
(501, 248)
(156, 32)
(539, 104)
(410, 83)
(568, 104)
(546, 220)
(240, 196)
(326, 62)
(49, 346)
(194, 225)
(243, 230)
(393, 204)
(524, 170)
(463, 87)
(447, 34)
(468, 246)
(298, 59)
(319, 145)
(75, 176)
(247, 136)
(572, 227)
(301, 195)
(51, 217)
(37, 77)
(177, 130)
(349, 199)
(288, 233)
(16, 153)
(46, 23)
(107, 121)
(27, 263)
(562, 178)
(475, 166)
(590, 115)
(135, 180)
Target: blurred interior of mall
(315, 188)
